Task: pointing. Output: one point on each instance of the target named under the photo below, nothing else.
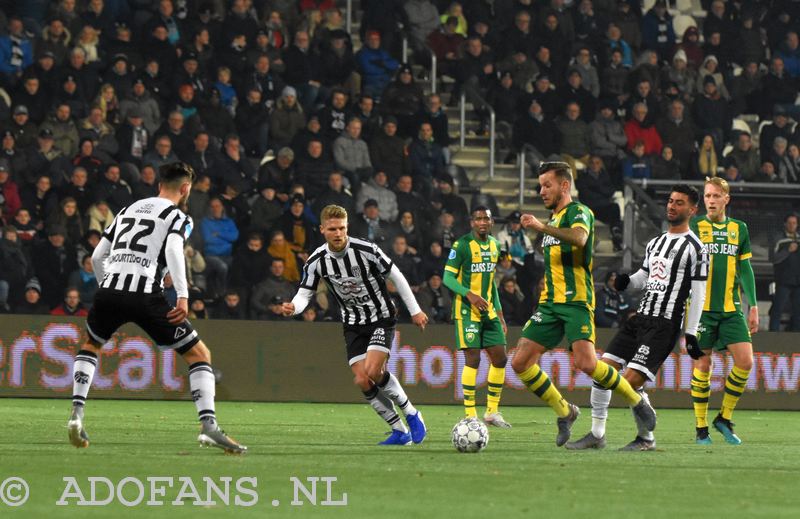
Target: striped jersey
(474, 262)
(672, 262)
(138, 236)
(568, 268)
(727, 243)
(356, 276)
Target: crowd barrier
(305, 362)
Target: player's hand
(420, 320)
(287, 309)
(752, 319)
(693, 347)
(178, 314)
(528, 221)
(793, 246)
(477, 301)
(503, 324)
(621, 282)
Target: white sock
(385, 409)
(391, 387)
(82, 374)
(202, 383)
(600, 399)
(644, 433)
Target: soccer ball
(470, 435)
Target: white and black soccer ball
(470, 435)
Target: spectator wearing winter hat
(32, 304)
(287, 119)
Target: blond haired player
(723, 325)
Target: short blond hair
(720, 183)
(331, 212)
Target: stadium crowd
(280, 115)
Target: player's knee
(519, 363)
(500, 361)
(585, 364)
(198, 353)
(703, 363)
(745, 363)
(375, 373)
(362, 381)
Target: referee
(675, 267)
(355, 272)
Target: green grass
(520, 474)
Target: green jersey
(727, 243)
(474, 262)
(568, 268)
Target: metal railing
(348, 17)
(641, 207)
(434, 63)
(462, 113)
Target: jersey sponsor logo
(655, 286)
(470, 332)
(146, 209)
(550, 241)
(482, 267)
(585, 329)
(81, 377)
(658, 268)
(580, 216)
(349, 286)
(537, 317)
(641, 355)
(726, 249)
(452, 254)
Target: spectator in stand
(388, 151)
(43, 159)
(16, 52)
(279, 247)
(39, 199)
(298, 228)
(134, 143)
(377, 188)
(403, 99)
(147, 186)
(427, 159)
(100, 133)
(613, 306)
(14, 267)
(546, 94)
(445, 199)
(536, 135)
(10, 201)
(22, 127)
(512, 302)
(369, 116)
(335, 194)
(55, 39)
(84, 280)
(64, 130)
(608, 137)
(779, 91)
(176, 129)
(313, 168)
(161, 154)
(780, 127)
(375, 65)
(100, 216)
(677, 130)
(446, 45)
(279, 173)
(313, 130)
(334, 118)
(112, 189)
(505, 97)
(267, 209)
(434, 258)
(339, 64)
(287, 119)
(219, 234)
(638, 164)
(711, 112)
(614, 78)
(786, 262)
(406, 262)
(351, 153)
(783, 164)
(637, 129)
(303, 71)
(53, 261)
(576, 142)
(679, 73)
(250, 264)
(67, 217)
(435, 300)
(615, 42)
(657, 31)
(407, 227)
(217, 118)
(369, 225)
(71, 306)
(746, 156)
(446, 231)
(231, 307)
(235, 169)
(423, 19)
(767, 174)
(204, 159)
(790, 53)
(575, 92)
(409, 200)
(666, 166)
(33, 304)
(597, 191)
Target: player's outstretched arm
(693, 318)
(576, 236)
(98, 258)
(748, 279)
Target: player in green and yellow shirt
(477, 313)
(566, 305)
(723, 325)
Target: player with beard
(566, 305)
(675, 267)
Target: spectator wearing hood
(297, 228)
(287, 119)
(403, 99)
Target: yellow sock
(539, 384)
(609, 378)
(468, 379)
(701, 389)
(734, 387)
(496, 378)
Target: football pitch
(520, 474)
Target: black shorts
(114, 308)
(644, 343)
(365, 337)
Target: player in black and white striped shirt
(142, 244)
(675, 267)
(355, 272)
